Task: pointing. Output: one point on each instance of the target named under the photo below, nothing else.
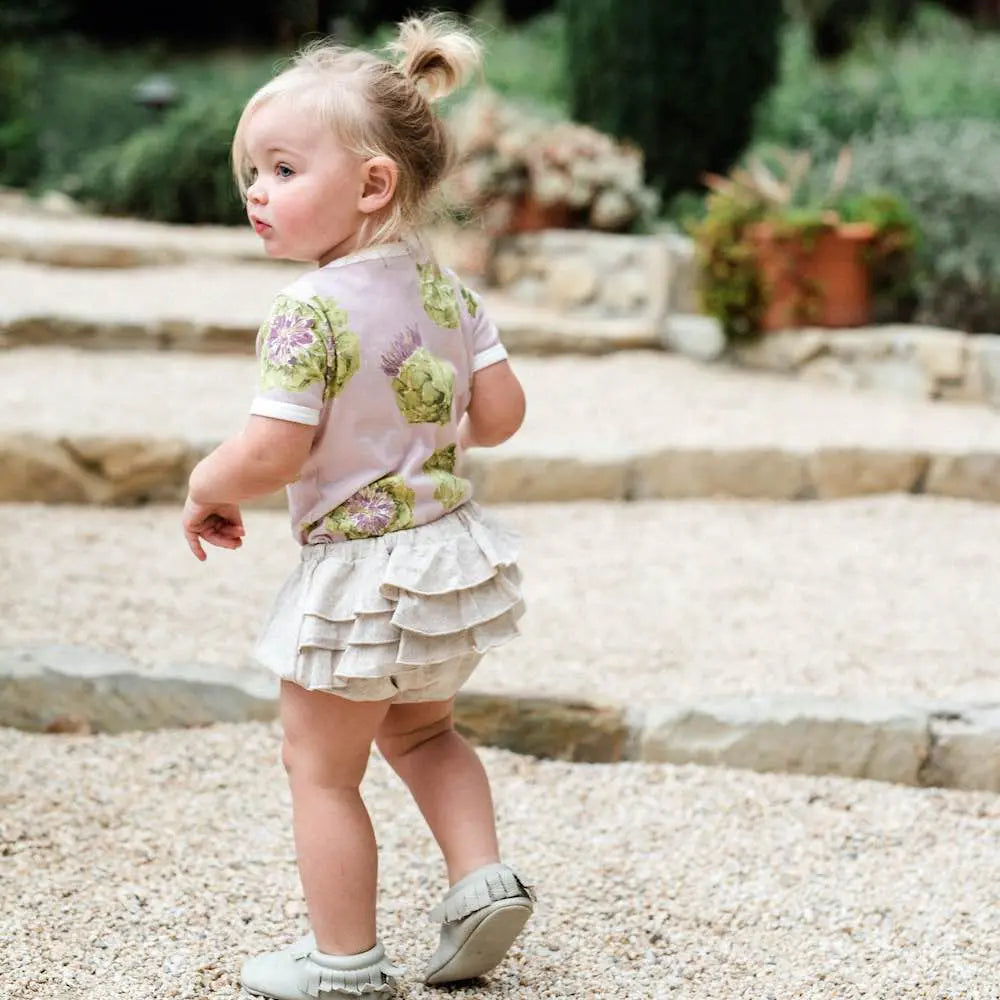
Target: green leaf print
(450, 490)
(438, 296)
(383, 506)
(345, 352)
(291, 351)
(470, 301)
(443, 460)
(424, 388)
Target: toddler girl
(376, 370)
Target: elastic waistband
(455, 522)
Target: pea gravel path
(147, 866)
(662, 600)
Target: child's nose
(256, 193)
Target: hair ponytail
(436, 54)
(377, 108)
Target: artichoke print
(438, 296)
(383, 506)
(343, 347)
(292, 355)
(424, 385)
(449, 490)
(470, 301)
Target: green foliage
(947, 172)
(84, 102)
(834, 25)
(731, 288)
(940, 70)
(177, 171)
(529, 61)
(20, 141)
(679, 79)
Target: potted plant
(522, 173)
(775, 255)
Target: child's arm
(266, 456)
(496, 409)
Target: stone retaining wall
(918, 362)
(593, 278)
(591, 275)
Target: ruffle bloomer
(365, 617)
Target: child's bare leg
(447, 781)
(327, 741)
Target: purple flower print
(405, 344)
(370, 511)
(288, 336)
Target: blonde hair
(379, 108)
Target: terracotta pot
(532, 216)
(820, 281)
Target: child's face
(303, 202)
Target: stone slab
(796, 734)
(76, 689)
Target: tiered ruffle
(377, 607)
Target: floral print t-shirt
(377, 351)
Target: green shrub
(679, 79)
(947, 172)
(178, 171)
(528, 62)
(821, 109)
(834, 25)
(940, 70)
(20, 132)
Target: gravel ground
(668, 600)
(134, 869)
(644, 401)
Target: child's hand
(219, 524)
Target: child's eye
(252, 174)
(283, 170)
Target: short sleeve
(487, 348)
(293, 363)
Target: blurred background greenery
(912, 87)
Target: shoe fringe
(498, 885)
(378, 978)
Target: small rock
(71, 723)
(698, 337)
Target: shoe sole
(487, 944)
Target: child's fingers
(194, 544)
(222, 537)
(223, 525)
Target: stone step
(125, 427)
(856, 638)
(216, 307)
(71, 238)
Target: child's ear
(378, 183)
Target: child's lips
(260, 227)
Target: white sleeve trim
(261, 407)
(489, 357)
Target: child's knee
(309, 764)
(396, 742)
